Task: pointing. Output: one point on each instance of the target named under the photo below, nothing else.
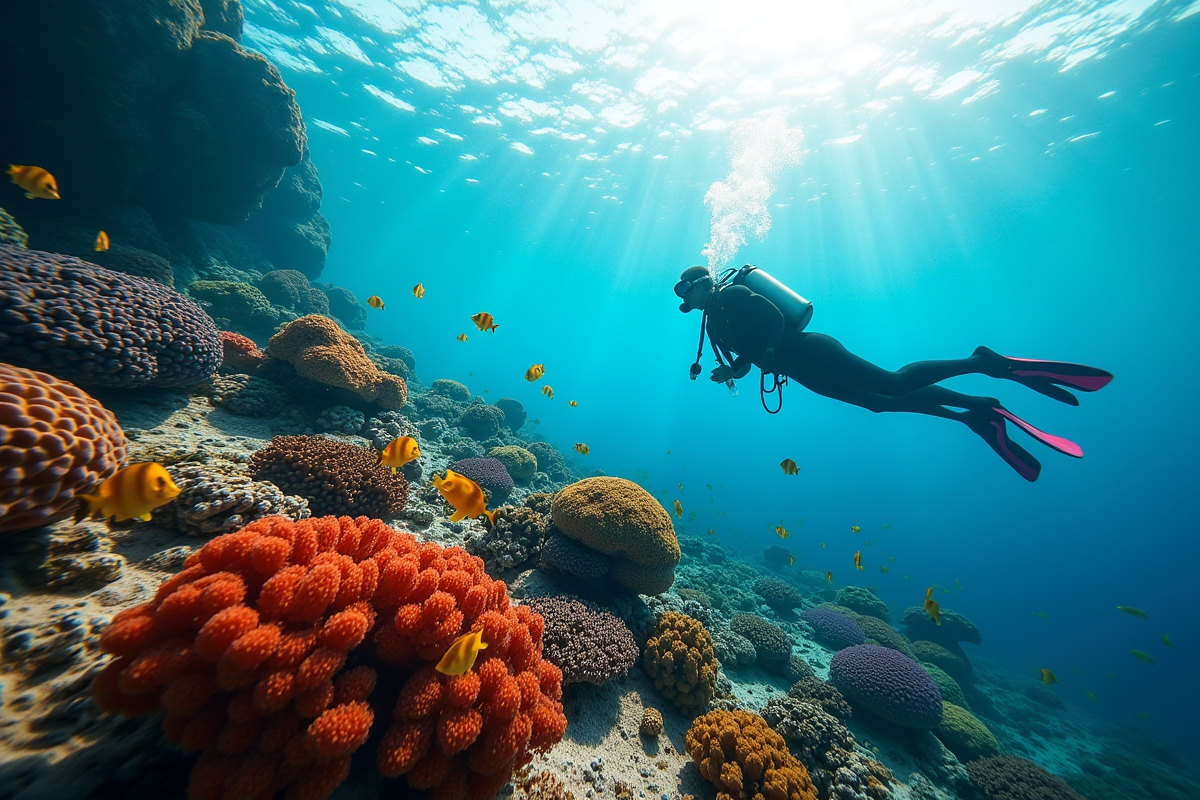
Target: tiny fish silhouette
(580, 447)
(791, 561)
(548, 391)
(931, 606)
(419, 291)
(829, 577)
(102, 242)
(782, 532)
(1138, 654)
(1041, 614)
(1166, 640)
(855, 529)
(462, 337)
(678, 509)
(789, 467)
(1048, 677)
(572, 403)
(858, 561)
(1133, 612)
(375, 302)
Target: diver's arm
(763, 313)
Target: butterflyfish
(1048, 677)
(535, 372)
(134, 491)
(782, 532)
(791, 561)
(680, 487)
(1133, 612)
(419, 291)
(1138, 654)
(375, 302)
(102, 242)
(858, 561)
(678, 509)
(462, 337)
(573, 403)
(399, 452)
(710, 531)
(789, 467)
(855, 529)
(1166, 640)
(548, 391)
(931, 606)
(829, 577)
(37, 182)
(465, 495)
(580, 447)
(462, 654)
(484, 321)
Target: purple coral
(588, 644)
(573, 558)
(96, 327)
(833, 629)
(887, 683)
(490, 474)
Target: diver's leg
(825, 355)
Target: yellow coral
(624, 521)
(680, 659)
(739, 753)
(323, 352)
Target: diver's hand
(722, 374)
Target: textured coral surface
(335, 477)
(680, 659)
(1004, 777)
(247, 649)
(323, 352)
(588, 644)
(832, 628)
(745, 759)
(887, 683)
(56, 442)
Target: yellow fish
(572, 403)
(419, 291)
(375, 302)
(891, 558)
(1048, 677)
(886, 526)
(484, 321)
(1142, 656)
(678, 509)
(822, 545)
(710, 531)
(681, 487)
(867, 542)
(957, 585)
(931, 606)
(855, 529)
(1166, 640)
(36, 182)
(134, 491)
(829, 577)
(1133, 612)
(465, 495)
(582, 448)
(789, 467)
(399, 452)
(462, 654)
(548, 391)
(791, 561)
(708, 485)
(1090, 696)
(535, 372)
(858, 560)
(885, 569)
(462, 337)
(781, 532)
(668, 452)
(101, 242)
(1041, 614)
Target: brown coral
(739, 753)
(56, 442)
(680, 659)
(622, 520)
(652, 722)
(323, 352)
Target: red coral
(246, 650)
(241, 354)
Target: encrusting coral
(880, 632)
(247, 395)
(567, 555)
(334, 476)
(217, 498)
(964, 734)
(56, 442)
(514, 412)
(622, 520)
(240, 353)
(833, 629)
(739, 753)
(772, 645)
(862, 601)
(513, 539)
(490, 474)
(652, 722)
(481, 421)
(588, 644)
(821, 694)
(1004, 777)
(887, 683)
(247, 651)
(680, 659)
(323, 352)
(521, 464)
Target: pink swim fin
(1047, 377)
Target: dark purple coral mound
(833, 629)
(491, 476)
(588, 644)
(887, 683)
(95, 327)
(567, 555)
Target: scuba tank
(795, 309)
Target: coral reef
(622, 520)
(56, 442)
(1004, 777)
(550, 461)
(452, 389)
(888, 684)
(808, 727)
(776, 556)
(234, 304)
(832, 628)
(652, 722)
(881, 633)
(964, 734)
(96, 327)
(824, 696)
(588, 644)
(951, 691)
(215, 499)
(335, 477)
(514, 412)
(739, 753)
(344, 306)
(135, 261)
(680, 659)
(778, 594)
(569, 556)
(932, 653)
(324, 353)
(342, 420)
(247, 651)
(240, 353)
(387, 426)
(481, 422)
(490, 474)
(514, 539)
(954, 627)
(733, 650)
(520, 463)
(290, 289)
(13, 234)
(772, 646)
(798, 669)
(247, 395)
(862, 601)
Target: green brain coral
(964, 735)
(951, 691)
(236, 305)
(520, 463)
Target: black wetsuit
(749, 325)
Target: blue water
(1052, 215)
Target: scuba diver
(751, 314)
